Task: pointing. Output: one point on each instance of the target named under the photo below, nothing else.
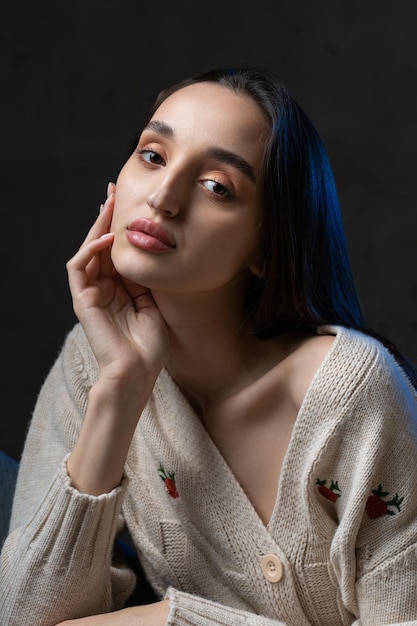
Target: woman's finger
(102, 224)
(85, 264)
(106, 267)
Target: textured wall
(77, 78)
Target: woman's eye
(216, 188)
(150, 156)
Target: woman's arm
(58, 560)
(164, 613)
(374, 555)
(130, 342)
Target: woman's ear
(258, 267)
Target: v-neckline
(236, 500)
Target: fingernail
(109, 188)
(106, 235)
(101, 207)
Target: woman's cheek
(116, 217)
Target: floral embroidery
(331, 493)
(169, 480)
(377, 507)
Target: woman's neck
(213, 353)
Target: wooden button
(272, 568)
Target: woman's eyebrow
(160, 127)
(230, 158)
(220, 154)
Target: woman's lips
(148, 235)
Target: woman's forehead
(215, 111)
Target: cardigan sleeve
(58, 562)
(186, 609)
(374, 553)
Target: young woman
(221, 397)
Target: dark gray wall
(77, 78)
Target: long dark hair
(307, 279)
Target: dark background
(78, 76)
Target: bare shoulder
(304, 362)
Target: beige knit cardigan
(343, 530)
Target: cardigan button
(272, 568)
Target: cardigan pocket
(191, 569)
(197, 573)
(322, 596)
(175, 550)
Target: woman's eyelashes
(213, 185)
(149, 156)
(216, 187)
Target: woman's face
(188, 211)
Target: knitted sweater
(340, 547)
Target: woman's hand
(125, 328)
(148, 615)
(129, 339)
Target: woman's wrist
(155, 614)
(130, 392)
(96, 464)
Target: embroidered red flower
(376, 506)
(169, 480)
(331, 493)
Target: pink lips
(148, 235)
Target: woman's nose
(168, 197)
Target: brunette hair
(307, 279)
